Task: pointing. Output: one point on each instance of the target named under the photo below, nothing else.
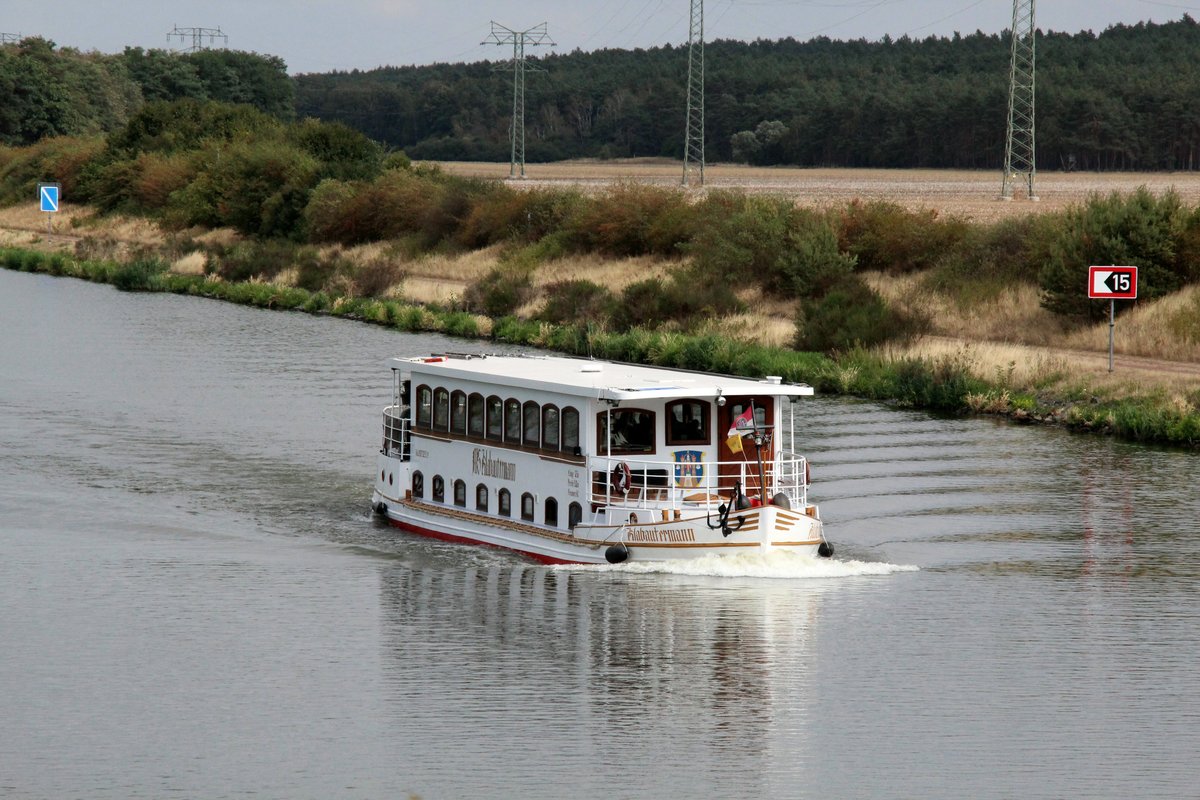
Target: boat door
(731, 460)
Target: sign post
(1112, 284)
(48, 196)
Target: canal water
(195, 600)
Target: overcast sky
(325, 35)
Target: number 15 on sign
(1112, 284)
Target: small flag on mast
(742, 424)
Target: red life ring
(621, 478)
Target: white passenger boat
(572, 460)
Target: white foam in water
(776, 564)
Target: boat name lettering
(660, 535)
(482, 463)
(573, 483)
(420, 454)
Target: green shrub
(1132, 230)
(576, 301)
(887, 237)
(499, 293)
(139, 275)
(852, 315)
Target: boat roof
(600, 380)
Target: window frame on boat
(439, 489)
(605, 447)
(504, 503)
(482, 496)
(528, 507)
(550, 512)
(705, 422)
(458, 412)
(548, 429)
(418, 484)
(460, 493)
(574, 515)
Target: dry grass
(1167, 328)
(190, 264)
(1014, 315)
(612, 273)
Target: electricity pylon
(532, 37)
(197, 36)
(693, 139)
(9, 38)
(1019, 161)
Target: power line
(1019, 144)
(197, 35)
(532, 37)
(10, 38)
(693, 139)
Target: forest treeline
(1123, 99)
(48, 91)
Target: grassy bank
(959, 381)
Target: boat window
(439, 489)
(475, 415)
(481, 497)
(551, 512)
(460, 492)
(633, 431)
(458, 412)
(687, 422)
(574, 515)
(441, 410)
(424, 407)
(569, 419)
(527, 507)
(512, 421)
(549, 428)
(495, 418)
(418, 484)
(532, 424)
(504, 503)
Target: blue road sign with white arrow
(48, 196)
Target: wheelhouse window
(574, 515)
(424, 407)
(495, 418)
(687, 422)
(475, 415)
(632, 431)
(527, 507)
(439, 489)
(460, 493)
(531, 424)
(418, 485)
(441, 410)
(512, 421)
(458, 412)
(569, 420)
(550, 426)
(551, 518)
(504, 503)
(481, 497)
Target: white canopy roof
(600, 380)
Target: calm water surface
(196, 602)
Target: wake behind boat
(572, 460)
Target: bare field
(970, 194)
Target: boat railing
(627, 483)
(397, 441)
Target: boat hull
(757, 530)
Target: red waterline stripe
(450, 537)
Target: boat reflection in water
(666, 675)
